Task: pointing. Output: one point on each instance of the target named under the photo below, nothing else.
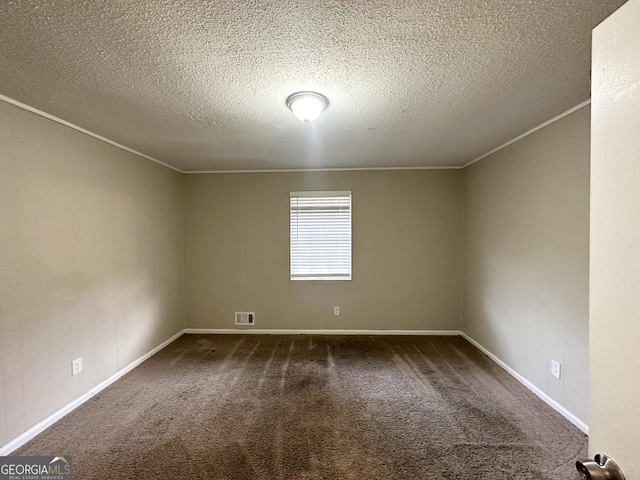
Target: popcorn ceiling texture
(202, 85)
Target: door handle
(600, 468)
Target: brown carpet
(315, 407)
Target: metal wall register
(35, 468)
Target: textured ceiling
(202, 85)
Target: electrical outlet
(336, 310)
(76, 366)
(556, 369)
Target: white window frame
(339, 261)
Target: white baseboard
(47, 422)
(546, 398)
(50, 420)
(265, 331)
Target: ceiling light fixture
(307, 106)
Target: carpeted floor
(315, 407)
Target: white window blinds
(320, 227)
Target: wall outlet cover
(556, 369)
(76, 366)
(336, 310)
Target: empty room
(319, 239)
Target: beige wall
(525, 257)
(90, 263)
(615, 240)
(406, 251)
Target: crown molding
(53, 118)
(529, 132)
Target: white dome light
(307, 106)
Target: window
(320, 228)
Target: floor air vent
(245, 318)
